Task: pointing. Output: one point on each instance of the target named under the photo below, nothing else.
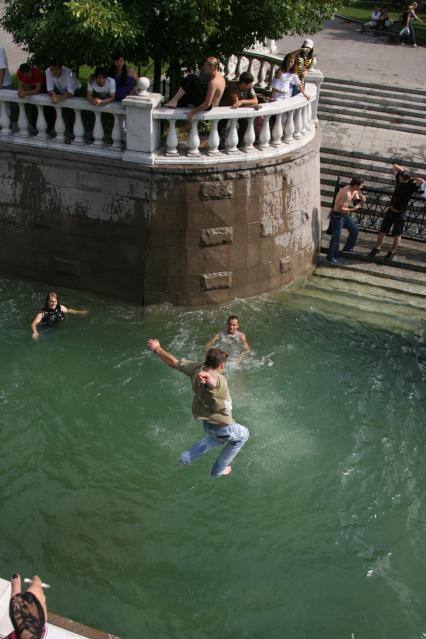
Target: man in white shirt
(61, 82)
(5, 79)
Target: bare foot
(227, 471)
(16, 584)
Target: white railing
(283, 125)
(292, 128)
(79, 134)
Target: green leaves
(177, 32)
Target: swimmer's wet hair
(215, 357)
(233, 317)
(48, 296)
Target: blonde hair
(212, 63)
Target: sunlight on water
(320, 531)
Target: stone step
(372, 117)
(407, 99)
(380, 106)
(358, 156)
(378, 179)
(371, 85)
(343, 119)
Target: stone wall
(192, 236)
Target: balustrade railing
(67, 122)
(157, 135)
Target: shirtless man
(203, 92)
(233, 341)
(340, 218)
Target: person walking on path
(212, 405)
(408, 18)
(340, 218)
(5, 78)
(405, 187)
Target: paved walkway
(344, 52)
(15, 55)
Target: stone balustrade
(140, 130)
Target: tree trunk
(157, 73)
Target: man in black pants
(394, 217)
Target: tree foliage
(170, 32)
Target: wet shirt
(211, 404)
(52, 315)
(401, 195)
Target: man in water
(212, 405)
(394, 217)
(340, 218)
(233, 340)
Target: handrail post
(315, 77)
(143, 131)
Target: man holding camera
(394, 217)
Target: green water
(318, 534)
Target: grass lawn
(362, 11)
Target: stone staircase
(379, 106)
(376, 170)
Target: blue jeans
(339, 221)
(234, 436)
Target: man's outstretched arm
(168, 358)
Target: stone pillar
(143, 132)
(315, 76)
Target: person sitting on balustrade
(202, 91)
(238, 94)
(100, 88)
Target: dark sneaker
(332, 260)
(350, 251)
(375, 251)
(389, 256)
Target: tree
(173, 33)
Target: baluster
(250, 65)
(231, 142)
(265, 134)
(271, 74)
(226, 68)
(304, 129)
(41, 123)
(277, 131)
(261, 77)
(194, 139)
(78, 129)
(172, 139)
(22, 121)
(213, 141)
(116, 132)
(298, 124)
(238, 67)
(98, 131)
(289, 127)
(4, 119)
(59, 125)
(310, 114)
(249, 135)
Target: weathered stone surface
(285, 264)
(211, 281)
(216, 190)
(217, 235)
(188, 236)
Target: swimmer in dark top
(51, 313)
